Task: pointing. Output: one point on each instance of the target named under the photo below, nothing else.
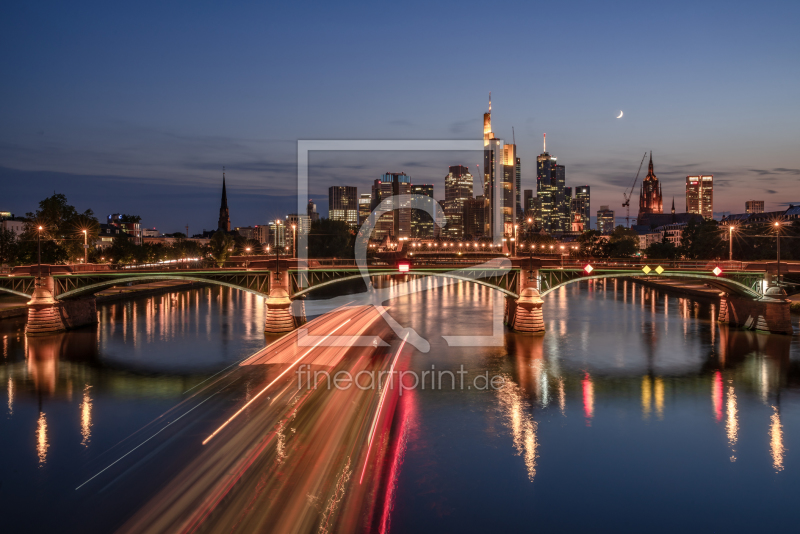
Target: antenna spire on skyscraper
(490, 101)
(545, 143)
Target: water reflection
(517, 411)
(10, 396)
(588, 398)
(776, 440)
(41, 438)
(732, 422)
(86, 416)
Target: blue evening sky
(135, 107)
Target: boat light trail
(243, 408)
(380, 406)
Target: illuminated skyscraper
(457, 190)
(422, 225)
(650, 193)
(343, 204)
(582, 204)
(546, 188)
(605, 220)
(508, 199)
(754, 206)
(492, 172)
(700, 195)
(398, 223)
(364, 203)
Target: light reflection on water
(701, 392)
(73, 396)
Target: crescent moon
(620, 114)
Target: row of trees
(61, 229)
(708, 240)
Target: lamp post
(246, 260)
(515, 239)
(778, 240)
(530, 251)
(730, 243)
(85, 248)
(294, 240)
(39, 248)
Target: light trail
(145, 441)
(243, 408)
(380, 406)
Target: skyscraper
(422, 226)
(224, 223)
(492, 172)
(700, 195)
(518, 187)
(457, 190)
(546, 188)
(343, 204)
(754, 206)
(474, 217)
(650, 194)
(311, 211)
(582, 204)
(508, 188)
(364, 203)
(527, 205)
(398, 223)
(605, 220)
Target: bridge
(62, 297)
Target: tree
(702, 241)
(221, 247)
(664, 250)
(331, 239)
(591, 244)
(623, 243)
(8, 247)
(62, 224)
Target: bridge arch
(415, 272)
(723, 284)
(94, 288)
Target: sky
(136, 107)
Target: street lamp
(39, 248)
(294, 240)
(247, 249)
(85, 248)
(778, 240)
(730, 243)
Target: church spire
(673, 205)
(224, 216)
(650, 166)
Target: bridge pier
(769, 314)
(44, 314)
(279, 306)
(524, 314)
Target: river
(636, 411)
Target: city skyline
(139, 127)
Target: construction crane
(629, 195)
